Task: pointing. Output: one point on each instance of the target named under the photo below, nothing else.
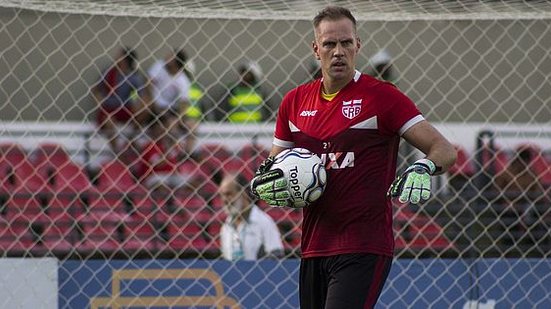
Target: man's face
(233, 198)
(171, 66)
(121, 61)
(336, 46)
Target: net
(79, 191)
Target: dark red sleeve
(282, 130)
(394, 109)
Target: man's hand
(270, 185)
(414, 184)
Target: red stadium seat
(52, 163)
(114, 176)
(110, 209)
(12, 152)
(539, 164)
(140, 235)
(494, 161)
(51, 153)
(100, 232)
(218, 151)
(215, 202)
(66, 203)
(59, 236)
(240, 166)
(146, 208)
(199, 179)
(399, 243)
(71, 190)
(252, 156)
(27, 206)
(15, 237)
(70, 177)
(402, 214)
(192, 202)
(291, 239)
(213, 230)
(20, 174)
(130, 156)
(253, 152)
(428, 236)
(213, 157)
(463, 165)
(545, 176)
(185, 237)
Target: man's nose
(339, 50)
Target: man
(170, 86)
(381, 67)
(245, 102)
(248, 232)
(162, 156)
(117, 94)
(347, 238)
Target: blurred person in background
(193, 114)
(169, 87)
(170, 84)
(381, 67)
(162, 156)
(245, 102)
(518, 189)
(315, 69)
(118, 95)
(248, 232)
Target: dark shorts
(343, 281)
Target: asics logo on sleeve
(308, 113)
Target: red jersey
(356, 135)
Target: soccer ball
(305, 175)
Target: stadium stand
(99, 229)
(112, 214)
(416, 232)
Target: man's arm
(414, 185)
(276, 150)
(433, 144)
(97, 94)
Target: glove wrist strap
(428, 164)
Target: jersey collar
(357, 75)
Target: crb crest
(351, 109)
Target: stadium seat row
(494, 159)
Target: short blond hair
(334, 13)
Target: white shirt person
(248, 233)
(170, 85)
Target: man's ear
(315, 49)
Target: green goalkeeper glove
(414, 184)
(270, 185)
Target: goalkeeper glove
(414, 184)
(270, 185)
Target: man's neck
(333, 86)
(244, 216)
